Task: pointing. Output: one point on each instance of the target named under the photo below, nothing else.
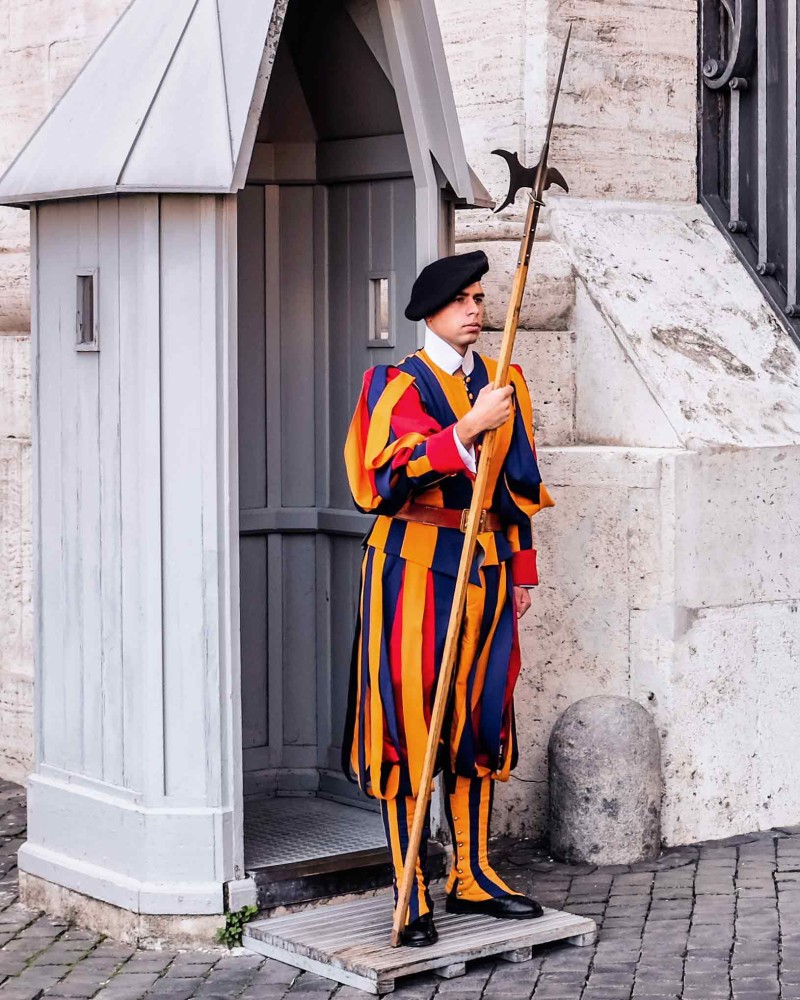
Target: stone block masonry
(16, 619)
(626, 123)
(666, 399)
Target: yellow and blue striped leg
(469, 809)
(398, 817)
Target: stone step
(338, 875)
(474, 226)
(300, 848)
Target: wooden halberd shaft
(447, 668)
(444, 682)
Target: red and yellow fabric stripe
(392, 437)
(405, 608)
(401, 447)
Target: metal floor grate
(283, 830)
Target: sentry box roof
(171, 100)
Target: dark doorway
(327, 253)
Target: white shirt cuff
(467, 456)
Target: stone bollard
(605, 783)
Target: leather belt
(448, 517)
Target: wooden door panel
(306, 258)
(372, 231)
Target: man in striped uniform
(411, 457)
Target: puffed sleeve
(521, 492)
(393, 445)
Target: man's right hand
(491, 410)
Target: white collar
(442, 354)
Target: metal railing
(748, 139)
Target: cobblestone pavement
(713, 920)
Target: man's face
(460, 321)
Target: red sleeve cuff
(523, 568)
(442, 452)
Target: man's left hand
(522, 600)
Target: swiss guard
(411, 456)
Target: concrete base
(143, 930)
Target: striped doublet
(401, 446)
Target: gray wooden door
(313, 264)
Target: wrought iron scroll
(732, 67)
(748, 139)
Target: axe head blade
(555, 176)
(525, 177)
(520, 176)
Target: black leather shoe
(420, 932)
(509, 907)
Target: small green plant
(231, 933)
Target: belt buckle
(465, 518)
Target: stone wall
(16, 620)
(668, 414)
(626, 123)
(666, 398)
(667, 404)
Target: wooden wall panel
(82, 507)
(252, 349)
(107, 726)
(59, 689)
(299, 647)
(340, 334)
(296, 410)
(100, 504)
(254, 633)
(189, 469)
(321, 244)
(140, 486)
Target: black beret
(439, 282)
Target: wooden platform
(349, 942)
